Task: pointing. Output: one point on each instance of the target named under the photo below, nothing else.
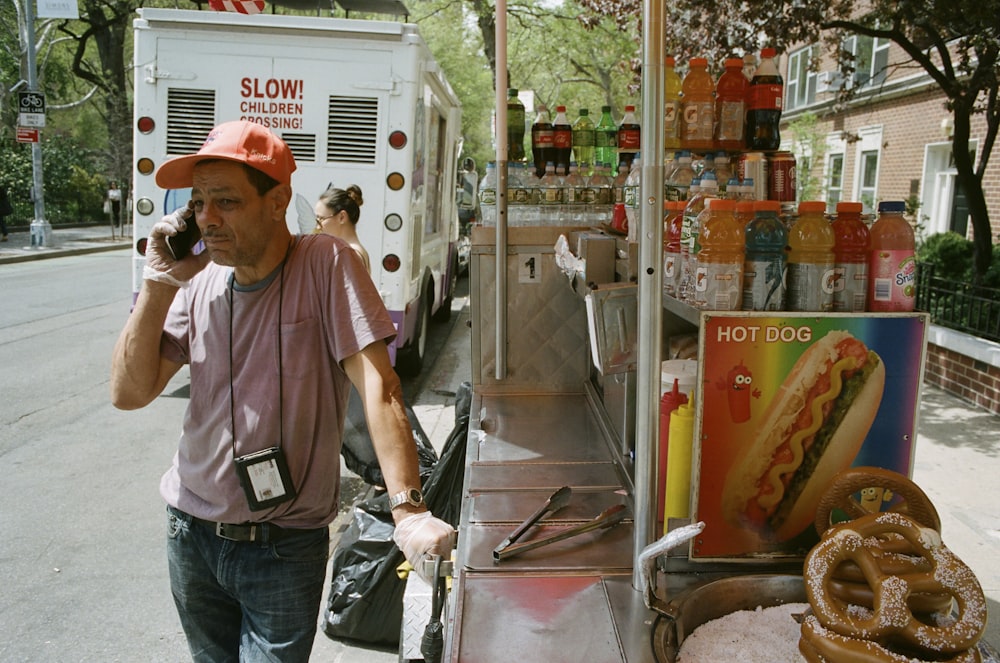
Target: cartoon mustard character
(873, 497)
(737, 386)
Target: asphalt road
(82, 522)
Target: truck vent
(190, 116)
(353, 129)
(303, 146)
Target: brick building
(893, 142)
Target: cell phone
(181, 244)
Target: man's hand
(161, 266)
(422, 535)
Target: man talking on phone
(275, 329)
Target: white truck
(359, 102)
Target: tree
(956, 43)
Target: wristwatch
(411, 496)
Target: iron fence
(959, 305)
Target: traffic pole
(41, 230)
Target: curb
(41, 254)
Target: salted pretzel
(819, 645)
(891, 618)
(840, 495)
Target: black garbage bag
(359, 452)
(365, 602)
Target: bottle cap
(720, 204)
(584, 111)
(766, 206)
(560, 109)
(812, 206)
(767, 52)
(849, 208)
(605, 109)
(673, 398)
(512, 92)
(892, 206)
(670, 61)
(630, 109)
(699, 62)
(734, 63)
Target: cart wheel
(840, 496)
(664, 639)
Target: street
(82, 528)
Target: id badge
(265, 478)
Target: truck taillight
(144, 166)
(144, 206)
(393, 222)
(397, 140)
(391, 263)
(145, 124)
(395, 181)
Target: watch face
(415, 496)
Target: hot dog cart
(564, 428)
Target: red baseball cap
(241, 141)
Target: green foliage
(809, 146)
(952, 255)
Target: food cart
(564, 429)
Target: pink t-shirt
(330, 311)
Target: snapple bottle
(892, 267)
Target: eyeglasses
(321, 219)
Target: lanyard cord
(281, 381)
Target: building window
(869, 179)
(800, 86)
(834, 180)
(870, 59)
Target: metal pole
(650, 238)
(501, 242)
(41, 231)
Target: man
(275, 329)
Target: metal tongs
(508, 548)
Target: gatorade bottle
(719, 275)
(542, 148)
(690, 228)
(764, 264)
(562, 141)
(677, 503)
(852, 242)
(698, 108)
(606, 140)
(810, 260)
(515, 126)
(583, 143)
(672, 87)
(744, 211)
(892, 267)
(628, 136)
(764, 104)
(669, 402)
(673, 219)
(730, 107)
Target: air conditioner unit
(829, 81)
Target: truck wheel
(443, 314)
(410, 359)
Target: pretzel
(840, 495)
(819, 645)
(891, 618)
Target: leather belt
(247, 532)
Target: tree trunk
(982, 240)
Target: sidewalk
(65, 241)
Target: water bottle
(515, 126)
(583, 143)
(679, 181)
(810, 260)
(852, 242)
(764, 101)
(764, 262)
(631, 191)
(574, 194)
(488, 195)
(892, 267)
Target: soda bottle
(628, 136)
(697, 108)
(679, 181)
(515, 126)
(562, 140)
(730, 107)
(631, 191)
(606, 140)
(852, 242)
(892, 267)
(810, 260)
(673, 219)
(583, 143)
(542, 147)
(719, 271)
(764, 263)
(672, 87)
(764, 104)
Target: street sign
(27, 135)
(31, 109)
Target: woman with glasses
(337, 214)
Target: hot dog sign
(784, 404)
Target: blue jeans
(246, 601)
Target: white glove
(422, 535)
(160, 263)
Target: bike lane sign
(31, 109)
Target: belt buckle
(220, 531)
